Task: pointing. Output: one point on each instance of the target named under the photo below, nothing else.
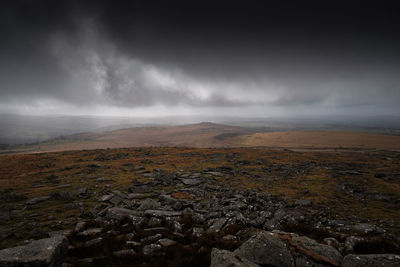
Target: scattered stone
(136, 196)
(215, 173)
(94, 242)
(371, 260)
(82, 192)
(229, 238)
(124, 253)
(115, 200)
(366, 228)
(154, 222)
(191, 181)
(151, 239)
(350, 243)
(133, 244)
(149, 204)
(217, 226)
(138, 168)
(36, 200)
(151, 249)
(106, 197)
(90, 232)
(139, 188)
(162, 213)
(303, 202)
(330, 241)
(119, 213)
(165, 242)
(197, 231)
(225, 258)
(43, 252)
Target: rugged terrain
(172, 206)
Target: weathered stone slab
(266, 249)
(43, 252)
(162, 213)
(191, 181)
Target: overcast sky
(231, 58)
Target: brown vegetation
(363, 184)
(216, 135)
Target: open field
(296, 139)
(215, 135)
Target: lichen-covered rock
(118, 213)
(149, 204)
(316, 253)
(371, 260)
(225, 258)
(217, 225)
(266, 249)
(43, 252)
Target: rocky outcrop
(200, 221)
(43, 252)
(287, 249)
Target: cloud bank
(107, 59)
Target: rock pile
(201, 222)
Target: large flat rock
(266, 249)
(323, 254)
(43, 252)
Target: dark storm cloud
(199, 54)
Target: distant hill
(27, 129)
(215, 135)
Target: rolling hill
(216, 135)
